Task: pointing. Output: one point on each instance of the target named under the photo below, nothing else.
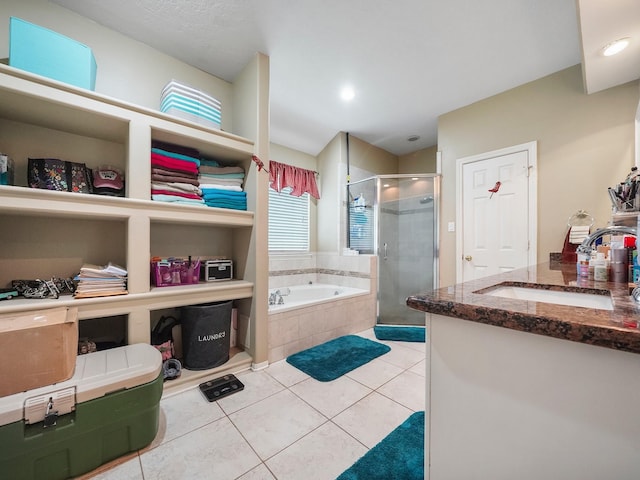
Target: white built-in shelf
(29, 201)
(59, 231)
(156, 299)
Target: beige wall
(585, 144)
(332, 187)
(299, 159)
(366, 160)
(422, 161)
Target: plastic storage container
(175, 271)
(47, 53)
(108, 408)
(191, 104)
(206, 334)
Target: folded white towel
(577, 234)
(580, 229)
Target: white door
(498, 212)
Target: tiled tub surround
(358, 271)
(298, 296)
(527, 387)
(304, 327)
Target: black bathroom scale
(218, 388)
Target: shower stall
(395, 218)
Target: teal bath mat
(334, 358)
(403, 334)
(399, 456)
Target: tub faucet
(587, 244)
(275, 298)
(272, 298)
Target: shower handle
(385, 250)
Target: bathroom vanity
(519, 387)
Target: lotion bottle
(601, 269)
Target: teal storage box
(47, 53)
(110, 407)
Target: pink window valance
(300, 180)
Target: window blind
(361, 229)
(288, 221)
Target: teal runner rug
(332, 359)
(399, 456)
(403, 334)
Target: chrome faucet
(275, 298)
(587, 244)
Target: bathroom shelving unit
(49, 233)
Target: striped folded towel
(578, 233)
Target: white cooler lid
(96, 374)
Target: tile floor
(283, 425)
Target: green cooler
(109, 407)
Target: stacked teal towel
(222, 198)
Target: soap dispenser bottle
(601, 268)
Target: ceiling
(408, 61)
(601, 25)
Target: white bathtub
(301, 296)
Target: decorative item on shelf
(97, 281)
(37, 288)
(216, 270)
(8, 293)
(108, 180)
(166, 272)
(6, 169)
(55, 174)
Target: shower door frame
(377, 180)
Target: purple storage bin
(175, 271)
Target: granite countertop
(618, 329)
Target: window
(288, 221)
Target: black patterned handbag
(55, 174)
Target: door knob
(468, 258)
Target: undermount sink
(574, 299)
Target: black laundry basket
(206, 331)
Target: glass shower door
(406, 244)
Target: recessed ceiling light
(616, 46)
(414, 178)
(385, 185)
(413, 138)
(347, 94)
